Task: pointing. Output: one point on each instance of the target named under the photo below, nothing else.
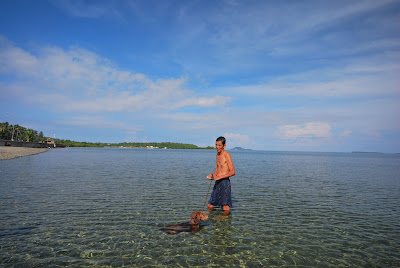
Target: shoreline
(9, 152)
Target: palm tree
(28, 134)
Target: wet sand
(8, 152)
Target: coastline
(9, 152)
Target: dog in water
(190, 226)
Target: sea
(105, 207)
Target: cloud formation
(236, 139)
(86, 82)
(309, 130)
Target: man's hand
(210, 177)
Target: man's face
(219, 146)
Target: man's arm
(230, 165)
(213, 175)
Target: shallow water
(91, 207)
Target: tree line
(162, 145)
(19, 133)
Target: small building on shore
(50, 143)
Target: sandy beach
(8, 152)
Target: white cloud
(235, 139)
(346, 133)
(204, 102)
(309, 130)
(14, 60)
(345, 82)
(86, 82)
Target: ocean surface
(104, 207)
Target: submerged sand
(8, 152)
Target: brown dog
(192, 225)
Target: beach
(8, 152)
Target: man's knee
(226, 208)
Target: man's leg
(210, 207)
(226, 209)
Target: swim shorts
(221, 194)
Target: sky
(267, 75)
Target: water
(97, 207)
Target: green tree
(6, 131)
(28, 135)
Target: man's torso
(222, 163)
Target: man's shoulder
(225, 153)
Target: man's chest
(221, 161)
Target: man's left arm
(230, 165)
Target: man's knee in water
(225, 208)
(210, 207)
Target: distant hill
(361, 152)
(240, 149)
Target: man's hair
(222, 139)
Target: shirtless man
(221, 194)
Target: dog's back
(192, 225)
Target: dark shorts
(221, 194)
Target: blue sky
(268, 75)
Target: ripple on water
(105, 207)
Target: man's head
(220, 144)
(221, 139)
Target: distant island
(362, 152)
(240, 149)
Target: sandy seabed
(9, 152)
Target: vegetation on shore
(19, 133)
(168, 145)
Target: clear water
(97, 207)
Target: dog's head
(197, 217)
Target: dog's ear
(204, 217)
